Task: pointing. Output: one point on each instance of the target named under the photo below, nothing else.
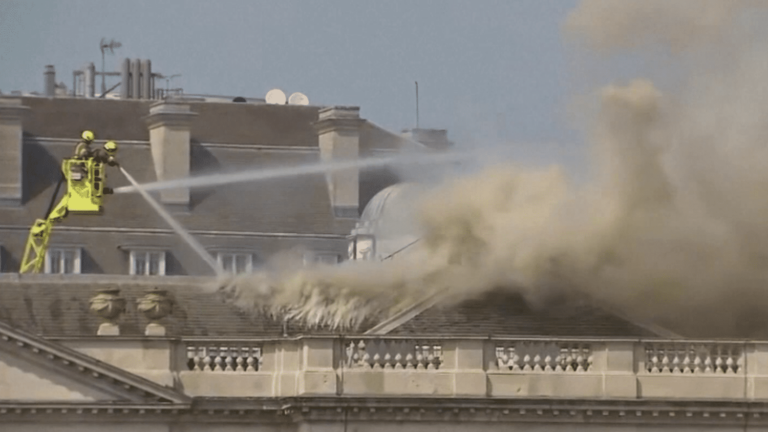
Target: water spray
(184, 234)
(314, 168)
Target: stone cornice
(338, 125)
(169, 114)
(12, 109)
(440, 410)
(88, 368)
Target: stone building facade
(95, 344)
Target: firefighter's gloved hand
(108, 191)
(112, 162)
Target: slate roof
(52, 305)
(506, 313)
(58, 306)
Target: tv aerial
(298, 99)
(106, 46)
(275, 97)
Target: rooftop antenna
(275, 97)
(417, 104)
(298, 99)
(104, 46)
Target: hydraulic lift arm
(85, 190)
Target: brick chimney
(338, 130)
(11, 141)
(169, 137)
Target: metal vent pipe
(50, 81)
(136, 79)
(125, 79)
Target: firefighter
(107, 156)
(83, 148)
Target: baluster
(409, 361)
(697, 363)
(387, 361)
(514, 359)
(418, 356)
(398, 360)
(376, 361)
(580, 360)
(527, 363)
(708, 364)
(207, 359)
(652, 356)
(241, 356)
(217, 360)
(687, 361)
(729, 364)
(675, 362)
(719, 364)
(431, 357)
(252, 363)
(548, 363)
(560, 361)
(227, 354)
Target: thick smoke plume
(671, 228)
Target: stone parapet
(525, 368)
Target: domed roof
(390, 217)
(376, 207)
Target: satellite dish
(276, 96)
(298, 99)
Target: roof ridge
(71, 357)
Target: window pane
(154, 264)
(227, 262)
(68, 265)
(140, 264)
(55, 258)
(241, 263)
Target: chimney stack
(11, 139)
(338, 130)
(169, 138)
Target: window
(233, 262)
(321, 258)
(147, 263)
(60, 260)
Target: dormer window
(235, 262)
(321, 258)
(63, 260)
(147, 262)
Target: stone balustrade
(492, 367)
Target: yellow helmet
(88, 135)
(110, 147)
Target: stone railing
(540, 356)
(365, 366)
(694, 358)
(394, 354)
(223, 357)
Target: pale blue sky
(488, 70)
